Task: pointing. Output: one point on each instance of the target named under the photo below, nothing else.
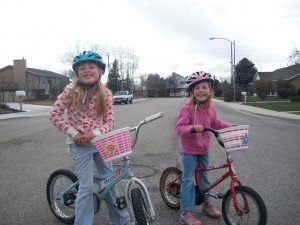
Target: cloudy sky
(167, 35)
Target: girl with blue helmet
(88, 104)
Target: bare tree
(68, 57)
(294, 58)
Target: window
(41, 80)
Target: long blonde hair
(101, 92)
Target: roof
(286, 73)
(43, 73)
(39, 72)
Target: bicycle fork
(134, 180)
(233, 181)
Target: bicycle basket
(235, 138)
(114, 145)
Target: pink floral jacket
(86, 120)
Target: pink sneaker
(211, 211)
(189, 219)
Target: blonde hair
(101, 94)
(207, 104)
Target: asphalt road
(31, 149)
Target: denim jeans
(83, 157)
(187, 192)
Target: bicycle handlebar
(145, 121)
(153, 117)
(215, 132)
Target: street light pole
(232, 62)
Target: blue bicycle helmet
(88, 56)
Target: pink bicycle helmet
(196, 78)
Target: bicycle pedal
(121, 203)
(217, 196)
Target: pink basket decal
(114, 145)
(235, 138)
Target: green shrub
(295, 99)
(228, 95)
(218, 92)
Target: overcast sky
(167, 35)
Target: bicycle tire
(139, 206)
(59, 180)
(256, 214)
(172, 199)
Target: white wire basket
(235, 138)
(114, 145)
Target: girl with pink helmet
(197, 113)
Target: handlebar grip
(153, 117)
(215, 132)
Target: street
(32, 148)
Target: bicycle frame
(230, 173)
(106, 181)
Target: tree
(262, 88)
(245, 71)
(155, 85)
(294, 58)
(113, 77)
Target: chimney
(19, 73)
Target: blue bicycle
(62, 188)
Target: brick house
(38, 84)
(290, 73)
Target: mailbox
(244, 93)
(20, 93)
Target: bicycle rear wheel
(254, 214)
(170, 194)
(58, 181)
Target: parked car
(122, 96)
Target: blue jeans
(83, 157)
(187, 192)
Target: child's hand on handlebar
(198, 128)
(83, 138)
(87, 137)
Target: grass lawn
(277, 106)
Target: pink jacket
(87, 120)
(199, 143)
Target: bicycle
(62, 185)
(241, 204)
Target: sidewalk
(30, 111)
(37, 110)
(258, 111)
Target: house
(290, 73)
(175, 86)
(38, 84)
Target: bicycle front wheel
(253, 213)
(58, 181)
(139, 207)
(170, 193)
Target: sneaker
(189, 219)
(211, 211)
